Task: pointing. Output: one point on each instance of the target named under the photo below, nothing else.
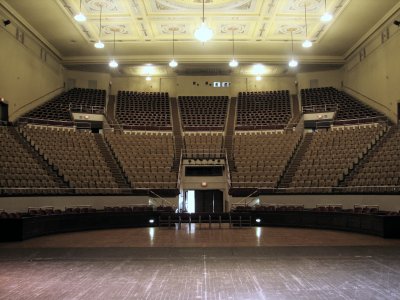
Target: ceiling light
(326, 17)
(203, 33)
(258, 78)
(113, 63)
(80, 17)
(258, 69)
(307, 43)
(99, 44)
(233, 63)
(173, 63)
(292, 63)
(148, 78)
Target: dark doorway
(3, 112)
(209, 201)
(398, 111)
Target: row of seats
(143, 110)
(260, 159)
(146, 159)
(263, 110)
(346, 107)
(58, 109)
(203, 112)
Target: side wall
(28, 72)
(374, 71)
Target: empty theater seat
(75, 156)
(331, 155)
(143, 110)
(347, 108)
(261, 158)
(146, 158)
(203, 112)
(58, 109)
(203, 145)
(20, 172)
(263, 110)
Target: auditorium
(199, 149)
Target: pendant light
(327, 16)
(307, 43)
(173, 63)
(99, 44)
(80, 17)
(113, 63)
(233, 63)
(292, 62)
(203, 33)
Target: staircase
(39, 158)
(110, 113)
(230, 132)
(347, 178)
(295, 161)
(177, 131)
(116, 171)
(296, 113)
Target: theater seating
(58, 109)
(20, 172)
(380, 173)
(76, 157)
(203, 145)
(143, 110)
(146, 158)
(331, 155)
(263, 110)
(261, 158)
(347, 108)
(203, 112)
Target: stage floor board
(161, 263)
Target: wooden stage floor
(162, 263)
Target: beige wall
(326, 78)
(82, 79)
(378, 75)
(183, 85)
(25, 76)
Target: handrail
(370, 99)
(23, 106)
(245, 198)
(178, 183)
(162, 198)
(227, 169)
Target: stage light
(258, 220)
(151, 221)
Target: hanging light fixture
(113, 63)
(233, 63)
(307, 43)
(99, 44)
(173, 63)
(80, 17)
(327, 16)
(292, 62)
(203, 33)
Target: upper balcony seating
(203, 112)
(58, 109)
(263, 110)
(143, 110)
(349, 110)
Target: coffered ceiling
(143, 28)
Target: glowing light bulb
(293, 63)
(233, 63)
(113, 63)
(99, 45)
(258, 78)
(173, 63)
(307, 44)
(326, 17)
(203, 33)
